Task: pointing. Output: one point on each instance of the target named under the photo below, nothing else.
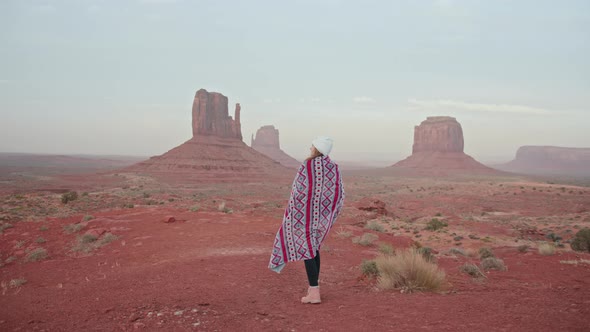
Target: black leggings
(312, 267)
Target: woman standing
(316, 200)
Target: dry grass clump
(223, 208)
(472, 270)
(493, 263)
(485, 252)
(546, 249)
(367, 239)
(457, 251)
(4, 226)
(36, 255)
(369, 268)
(386, 249)
(409, 271)
(576, 262)
(69, 197)
(374, 225)
(523, 248)
(73, 228)
(341, 233)
(88, 242)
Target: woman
(316, 199)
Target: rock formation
(550, 160)
(438, 149)
(216, 150)
(267, 142)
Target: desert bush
(523, 248)
(69, 197)
(43, 228)
(457, 251)
(409, 271)
(129, 206)
(73, 228)
(435, 224)
(195, 208)
(375, 226)
(427, 253)
(493, 263)
(4, 226)
(581, 241)
(367, 239)
(472, 270)
(36, 255)
(87, 217)
(485, 252)
(341, 233)
(576, 262)
(546, 249)
(88, 238)
(553, 237)
(10, 259)
(369, 268)
(107, 238)
(386, 249)
(40, 240)
(14, 283)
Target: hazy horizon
(101, 77)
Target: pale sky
(118, 77)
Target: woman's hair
(314, 154)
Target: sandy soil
(207, 271)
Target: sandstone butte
(267, 142)
(215, 152)
(550, 160)
(438, 149)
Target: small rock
(169, 219)
(179, 313)
(138, 325)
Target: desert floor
(208, 269)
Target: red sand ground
(208, 270)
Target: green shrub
(73, 228)
(435, 224)
(69, 197)
(581, 241)
(369, 268)
(485, 252)
(88, 238)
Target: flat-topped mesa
(266, 136)
(211, 117)
(438, 134)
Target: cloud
(364, 100)
(441, 105)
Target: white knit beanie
(323, 144)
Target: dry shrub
(493, 263)
(457, 251)
(576, 262)
(341, 233)
(485, 252)
(546, 249)
(523, 248)
(435, 224)
(374, 225)
(472, 270)
(369, 268)
(367, 239)
(386, 249)
(581, 241)
(409, 271)
(38, 254)
(73, 228)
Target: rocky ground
(131, 252)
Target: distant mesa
(216, 150)
(438, 149)
(266, 141)
(550, 160)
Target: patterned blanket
(316, 200)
